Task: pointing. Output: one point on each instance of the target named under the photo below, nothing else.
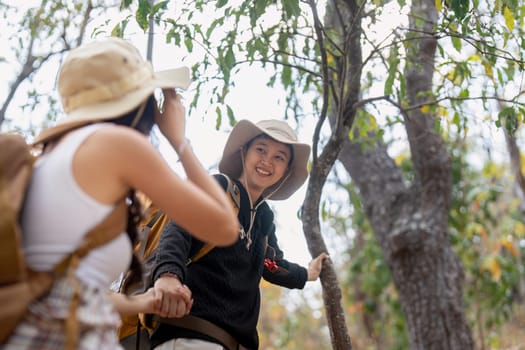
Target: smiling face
(265, 163)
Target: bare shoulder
(118, 133)
(109, 159)
(114, 146)
(118, 140)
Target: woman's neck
(252, 193)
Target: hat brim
(112, 109)
(231, 161)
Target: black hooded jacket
(225, 282)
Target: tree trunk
(411, 220)
(324, 162)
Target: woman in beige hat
(266, 162)
(94, 158)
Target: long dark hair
(143, 123)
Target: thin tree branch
(326, 85)
(404, 110)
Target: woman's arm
(114, 159)
(171, 123)
(154, 301)
(285, 273)
(148, 302)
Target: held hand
(176, 297)
(172, 121)
(151, 300)
(315, 266)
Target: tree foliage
(40, 35)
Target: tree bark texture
(349, 66)
(410, 219)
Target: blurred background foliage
(488, 234)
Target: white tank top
(58, 213)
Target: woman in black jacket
(265, 161)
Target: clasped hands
(168, 297)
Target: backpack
(135, 329)
(19, 285)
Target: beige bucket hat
(105, 79)
(231, 162)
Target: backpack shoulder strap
(145, 232)
(205, 249)
(235, 197)
(233, 191)
(104, 232)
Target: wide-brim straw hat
(231, 162)
(105, 79)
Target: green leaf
(456, 42)
(291, 8)
(256, 11)
(188, 40)
(456, 120)
(402, 86)
(142, 14)
(282, 41)
(221, 3)
(163, 5)
(460, 8)
(286, 76)
(173, 35)
(393, 59)
(231, 115)
(119, 30)
(508, 117)
(212, 26)
(124, 4)
(218, 120)
(229, 59)
(509, 18)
